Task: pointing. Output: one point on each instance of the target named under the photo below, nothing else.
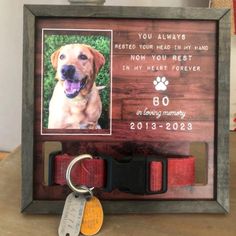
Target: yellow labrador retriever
(75, 103)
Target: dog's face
(77, 66)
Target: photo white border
(42, 79)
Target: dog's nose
(68, 71)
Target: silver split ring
(80, 189)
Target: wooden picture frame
(219, 203)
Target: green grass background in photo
(99, 42)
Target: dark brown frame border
(221, 202)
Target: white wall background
(11, 25)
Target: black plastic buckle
(132, 174)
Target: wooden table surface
(12, 222)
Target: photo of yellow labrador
(75, 103)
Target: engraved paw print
(161, 83)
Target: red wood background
(192, 92)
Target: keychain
(82, 211)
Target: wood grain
(192, 92)
(211, 84)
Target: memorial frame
(220, 203)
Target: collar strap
(138, 175)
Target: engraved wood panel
(184, 52)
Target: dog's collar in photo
(137, 175)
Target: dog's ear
(99, 60)
(54, 58)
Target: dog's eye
(62, 56)
(83, 57)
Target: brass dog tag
(93, 217)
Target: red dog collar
(140, 175)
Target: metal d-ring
(80, 189)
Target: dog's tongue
(71, 87)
